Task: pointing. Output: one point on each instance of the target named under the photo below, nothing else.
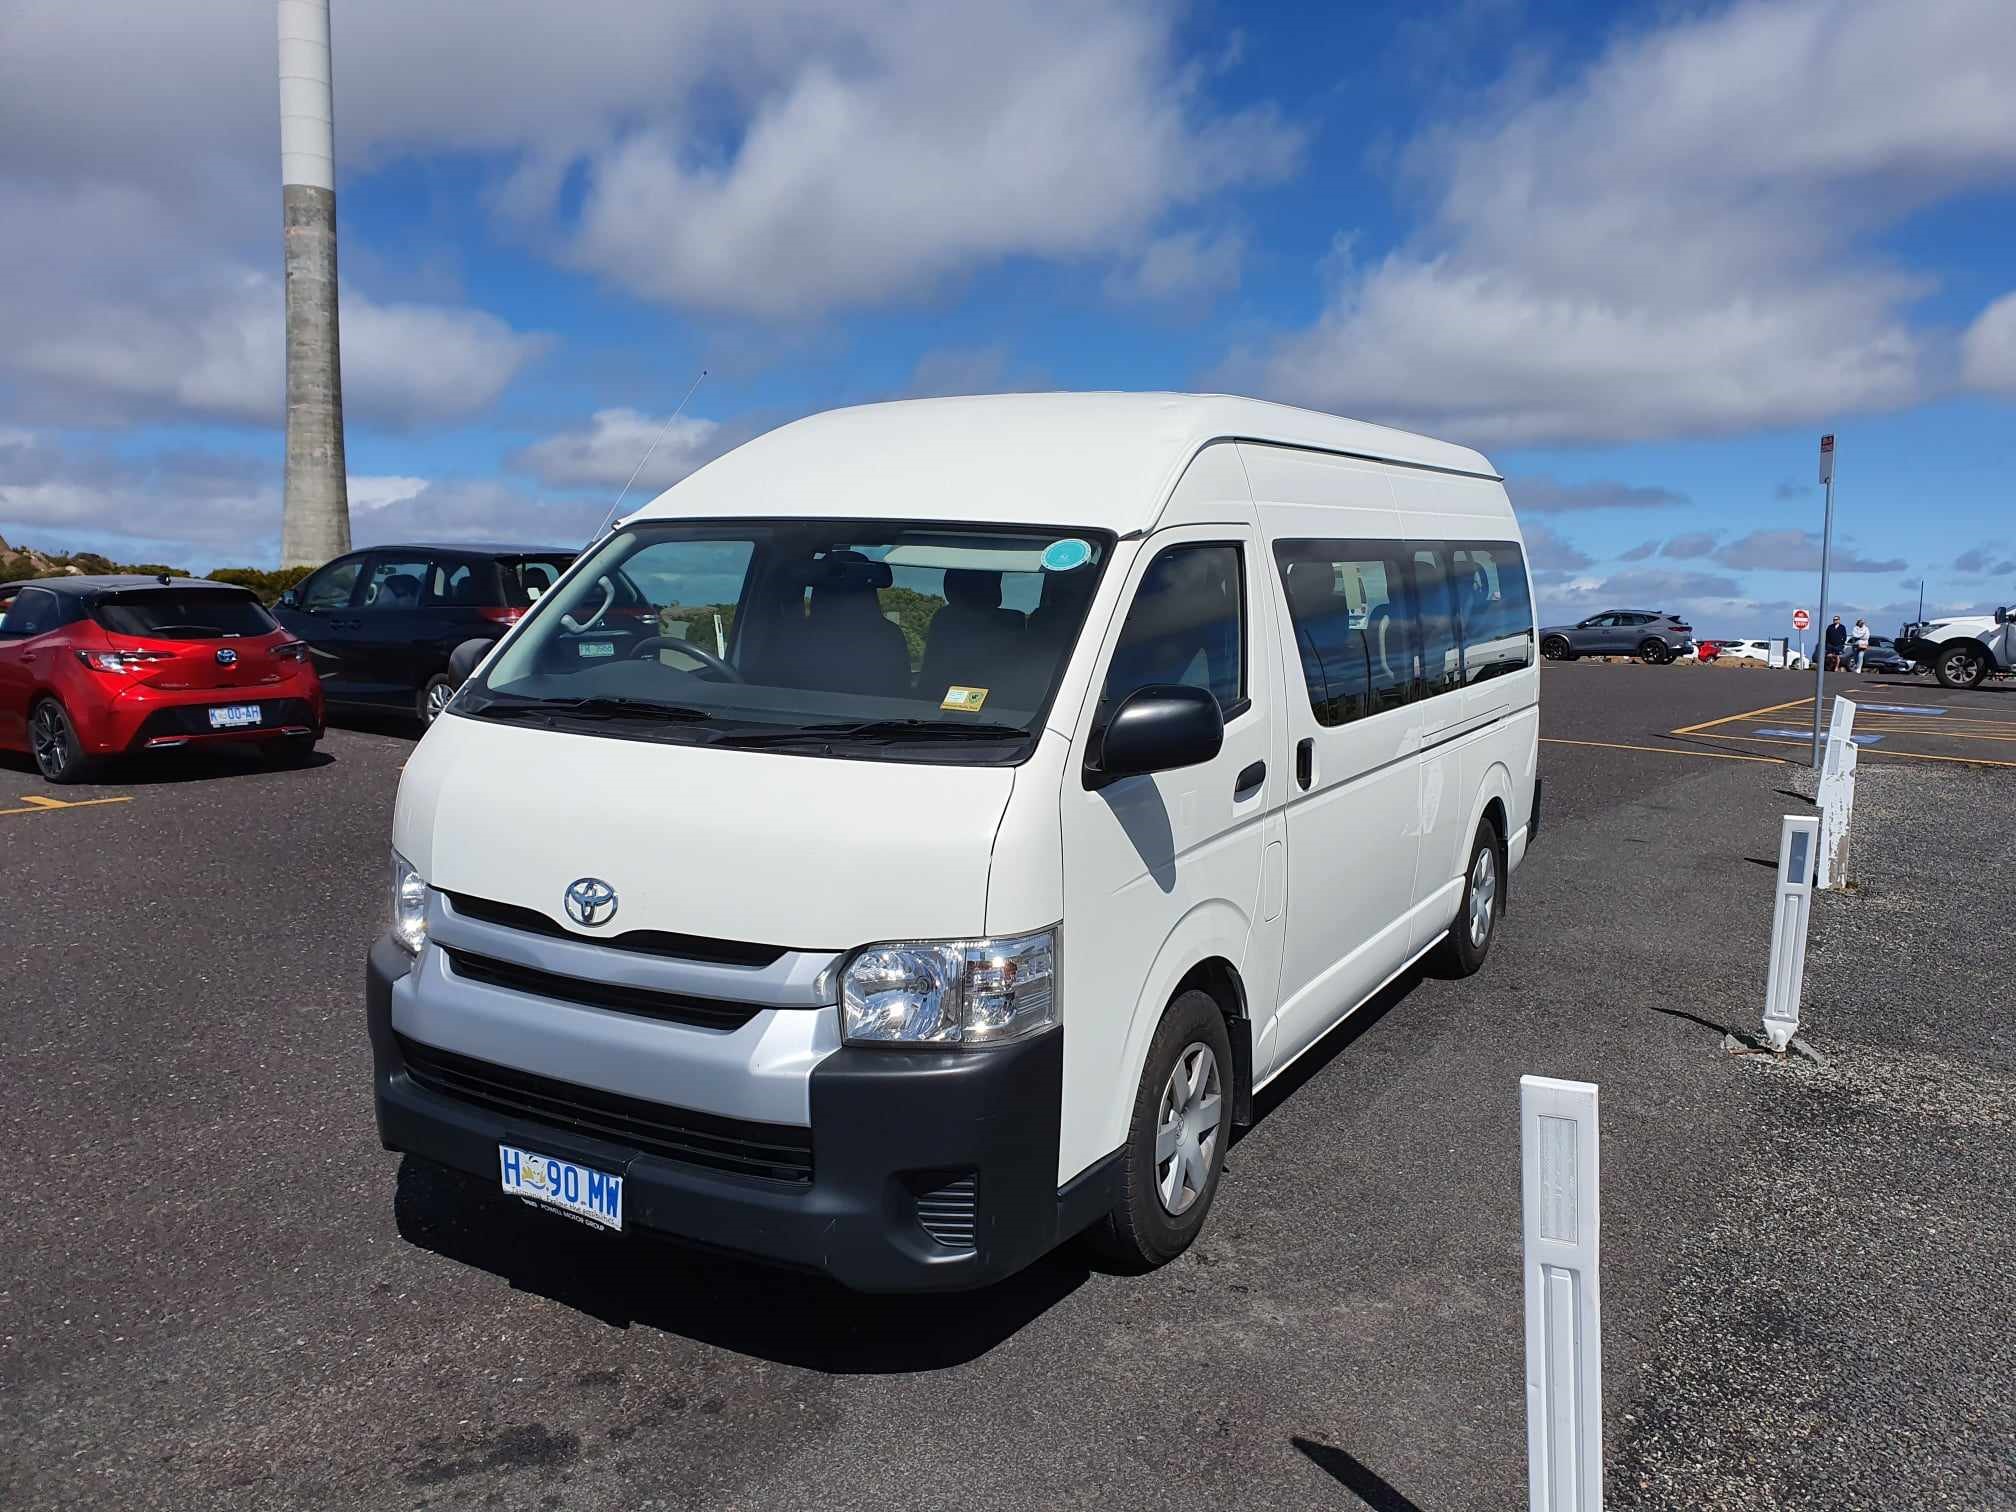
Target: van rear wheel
(1468, 942)
(1176, 1141)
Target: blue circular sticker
(1064, 555)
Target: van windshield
(927, 642)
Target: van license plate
(593, 1196)
(596, 648)
(234, 716)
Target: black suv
(381, 624)
(1644, 633)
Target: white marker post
(1797, 842)
(1837, 795)
(1564, 1313)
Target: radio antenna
(662, 431)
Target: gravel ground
(1844, 1334)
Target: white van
(915, 838)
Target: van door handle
(1250, 779)
(1305, 762)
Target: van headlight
(409, 905)
(970, 993)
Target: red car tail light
(122, 662)
(503, 616)
(291, 651)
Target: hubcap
(1483, 896)
(1186, 1128)
(1959, 666)
(437, 700)
(50, 743)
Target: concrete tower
(315, 516)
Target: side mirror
(2004, 615)
(463, 659)
(291, 599)
(1158, 729)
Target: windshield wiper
(595, 708)
(874, 730)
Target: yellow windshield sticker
(965, 700)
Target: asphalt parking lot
(218, 1291)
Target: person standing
(1837, 643)
(1859, 638)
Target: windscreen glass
(526, 579)
(919, 642)
(184, 614)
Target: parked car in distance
(381, 624)
(1965, 650)
(93, 667)
(1651, 636)
(1883, 656)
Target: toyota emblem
(226, 656)
(591, 902)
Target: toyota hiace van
(1004, 791)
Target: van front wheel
(1176, 1141)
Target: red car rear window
(184, 614)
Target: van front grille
(657, 942)
(773, 1152)
(950, 1211)
(676, 1008)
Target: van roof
(1098, 460)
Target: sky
(1640, 255)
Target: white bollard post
(1837, 795)
(1797, 842)
(1564, 1314)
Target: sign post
(1837, 796)
(1798, 841)
(1826, 550)
(1564, 1310)
(1800, 620)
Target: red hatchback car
(92, 667)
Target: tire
(1142, 1231)
(434, 697)
(294, 751)
(52, 740)
(1959, 666)
(1655, 653)
(1556, 648)
(1465, 948)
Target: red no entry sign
(1801, 619)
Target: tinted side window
(1354, 632)
(330, 588)
(394, 583)
(1186, 626)
(1441, 652)
(34, 611)
(1495, 611)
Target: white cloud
(615, 442)
(917, 143)
(1676, 238)
(187, 505)
(368, 492)
(1182, 265)
(479, 510)
(1988, 350)
(125, 308)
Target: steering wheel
(651, 645)
(608, 598)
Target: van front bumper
(896, 1138)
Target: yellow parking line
(1611, 745)
(1871, 751)
(1696, 729)
(37, 804)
